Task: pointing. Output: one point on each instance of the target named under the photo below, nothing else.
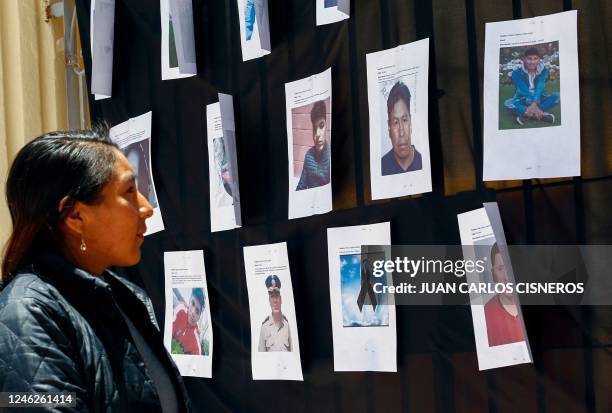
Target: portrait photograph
(256, 20)
(275, 344)
(254, 25)
(361, 306)
(275, 329)
(177, 40)
(497, 320)
(224, 189)
(311, 129)
(308, 112)
(399, 148)
(250, 20)
(190, 325)
(138, 155)
(188, 332)
(531, 98)
(172, 55)
(529, 86)
(398, 111)
(503, 318)
(183, 33)
(223, 173)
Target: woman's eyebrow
(129, 178)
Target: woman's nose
(145, 209)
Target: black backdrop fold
(437, 368)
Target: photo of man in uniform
(530, 102)
(317, 161)
(275, 334)
(403, 157)
(185, 327)
(502, 316)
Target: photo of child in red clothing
(189, 327)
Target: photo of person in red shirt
(185, 327)
(504, 324)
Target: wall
(436, 358)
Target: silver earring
(83, 246)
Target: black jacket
(61, 330)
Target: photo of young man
(185, 327)
(317, 161)
(533, 82)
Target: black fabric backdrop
(437, 368)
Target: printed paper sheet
(188, 334)
(363, 326)
(225, 210)
(499, 330)
(134, 139)
(399, 136)
(531, 100)
(275, 347)
(309, 127)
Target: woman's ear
(71, 213)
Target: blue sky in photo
(350, 285)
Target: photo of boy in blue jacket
(530, 104)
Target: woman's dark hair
(77, 164)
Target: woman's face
(113, 230)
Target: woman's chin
(132, 259)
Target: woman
(67, 323)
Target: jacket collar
(66, 276)
(83, 286)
